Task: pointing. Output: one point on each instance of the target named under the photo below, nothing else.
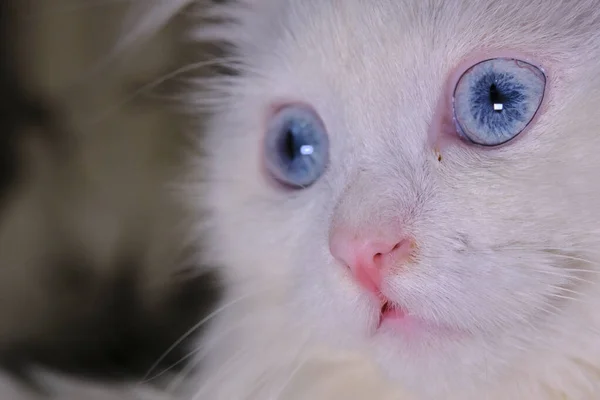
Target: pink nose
(369, 259)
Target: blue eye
(496, 99)
(296, 146)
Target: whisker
(176, 383)
(564, 289)
(562, 297)
(565, 276)
(198, 351)
(292, 374)
(170, 368)
(574, 258)
(151, 85)
(585, 271)
(557, 251)
(216, 378)
(194, 329)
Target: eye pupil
(497, 98)
(290, 147)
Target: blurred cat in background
(96, 282)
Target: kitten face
(482, 251)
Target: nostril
(404, 247)
(377, 259)
(399, 253)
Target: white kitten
(414, 183)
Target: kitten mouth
(390, 311)
(386, 307)
(394, 318)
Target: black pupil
(496, 97)
(290, 146)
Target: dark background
(76, 133)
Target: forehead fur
(364, 62)
(555, 26)
(396, 53)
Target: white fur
(508, 238)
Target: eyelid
(477, 57)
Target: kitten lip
(397, 320)
(394, 318)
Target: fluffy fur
(508, 238)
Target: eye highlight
(496, 99)
(296, 146)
